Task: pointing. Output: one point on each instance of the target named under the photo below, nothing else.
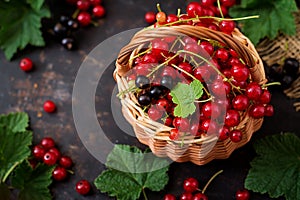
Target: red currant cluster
(48, 153)
(85, 12)
(194, 9)
(192, 191)
(229, 89)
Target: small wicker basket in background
(284, 46)
(156, 135)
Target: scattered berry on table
(83, 187)
(26, 64)
(49, 106)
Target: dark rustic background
(53, 78)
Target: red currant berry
(208, 126)
(181, 124)
(194, 129)
(65, 162)
(269, 110)
(174, 134)
(47, 142)
(208, 47)
(162, 103)
(240, 102)
(253, 91)
(49, 106)
(257, 111)
(224, 133)
(59, 173)
(265, 97)
(83, 187)
(83, 5)
(232, 118)
(95, 2)
(218, 89)
(222, 55)
(202, 73)
(240, 72)
(50, 158)
(38, 152)
(154, 113)
(200, 196)
(236, 136)
(242, 194)
(190, 185)
(227, 3)
(172, 18)
(186, 67)
(168, 121)
(55, 151)
(227, 26)
(207, 3)
(194, 9)
(209, 109)
(26, 64)
(99, 11)
(186, 196)
(150, 17)
(169, 197)
(84, 18)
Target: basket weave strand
(199, 150)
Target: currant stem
(210, 180)
(144, 194)
(162, 64)
(270, 84)
(219, 6)
(203, 101)
(204, 59)
(158, 7)
(139, 54)
(75, 14)
(190, 75)
(9, 171)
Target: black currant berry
(156, 91)
(60, 30)
(64, 20)
(142, 82)
(68, 43)
(144, 100)
(291, 66)
(167, 82)
(73, 24)
(287, 81)
(276, 72)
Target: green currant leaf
(276, 169)
(35, 4)
(184, 96)
(274, 17)
(197, 88)
(33, 183)
(13, 150)
(4, 192)
(17, 122)
(21, 28)
(130, 171)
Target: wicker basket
(156, 135)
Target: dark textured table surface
(53, 78)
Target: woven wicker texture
(284, 46)
(199, 150)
